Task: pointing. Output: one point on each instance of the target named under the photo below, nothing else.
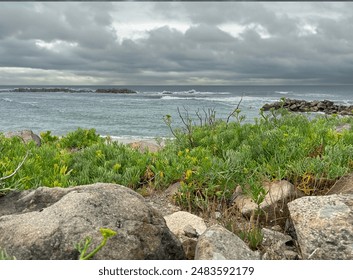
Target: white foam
(235, 99)
(5, 89)
(190, 93)
(6, 99)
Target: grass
(209, 157)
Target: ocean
(140, 115)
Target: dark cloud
(222, 42)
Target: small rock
(278, 245)
(189, 231)
(172, 189)
(343, 127)
(187, 227)
(217, 215)
(218, 243)
(275, 202)
(145, 146)
(271, 237)
(343, 186)
(177, 222)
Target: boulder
(146, 146)
(46, 223)
(343, 186)
(324, 226)
(343, 127)
(25, 135)
(321, 105)
(187, 227)
(274, 206)
(278, 246)
(177, 221)
(218, 243)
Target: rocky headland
(296, 105)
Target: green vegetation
(253, 237)
(210, 160)
(5, 256)
(209, 157)
(83, 246)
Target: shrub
(209, 159)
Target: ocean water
(141, 115)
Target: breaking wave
(6, 99)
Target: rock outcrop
(324, 226)
(25, 135)
(325, 106)
(218, 243)
(46, 223)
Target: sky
(176, 43)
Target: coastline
(72, 90)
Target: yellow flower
(107, 232)
(116, 167)
(99, 154)
(63, 170)
(188, 174)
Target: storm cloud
(141, 43)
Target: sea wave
(5, 89)
(33, 104)
(6, 99)
(220, 99)
(312, 95)
(191, 92)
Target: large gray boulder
(324, 226)
(218, 243)
(46, 224)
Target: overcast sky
(142, 43)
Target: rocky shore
(296, 105)
(46, 222)
(71, 90)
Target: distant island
(72, 90)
